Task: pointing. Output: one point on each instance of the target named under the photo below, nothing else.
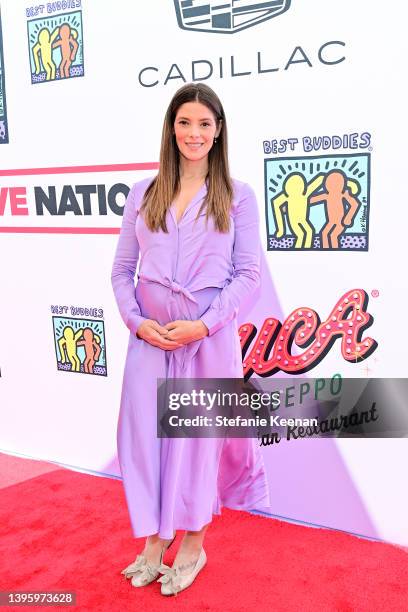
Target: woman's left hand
(186, 331)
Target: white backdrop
(104, 128)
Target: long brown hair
(165, 186)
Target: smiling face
(195, 128)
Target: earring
(215, 140)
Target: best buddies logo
(55, 40)
(318, 201)
(79, 340)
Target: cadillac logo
(226, 17)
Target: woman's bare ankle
(191, 543)
(154, 546)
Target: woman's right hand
(152, 332)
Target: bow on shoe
(149, 574)
(136, 566)
(171, 576)
(140, 565)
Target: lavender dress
(192, 272)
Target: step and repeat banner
(313, 94)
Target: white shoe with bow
(172, 581)
(141, 571)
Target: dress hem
(264, 501)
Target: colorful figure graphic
(295, 195)
(69, 47)
(56, 47)
(67, 344)
(80, 345)
(92, 348)
(319, 202)
(338, 191)
(43, 50)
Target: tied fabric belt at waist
(170, 284)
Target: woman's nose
(194, 131)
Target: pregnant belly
(158, 302)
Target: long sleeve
(124, 266)
(246, 264)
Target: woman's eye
(184, 122)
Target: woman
(197, 231)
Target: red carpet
(66, 530)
